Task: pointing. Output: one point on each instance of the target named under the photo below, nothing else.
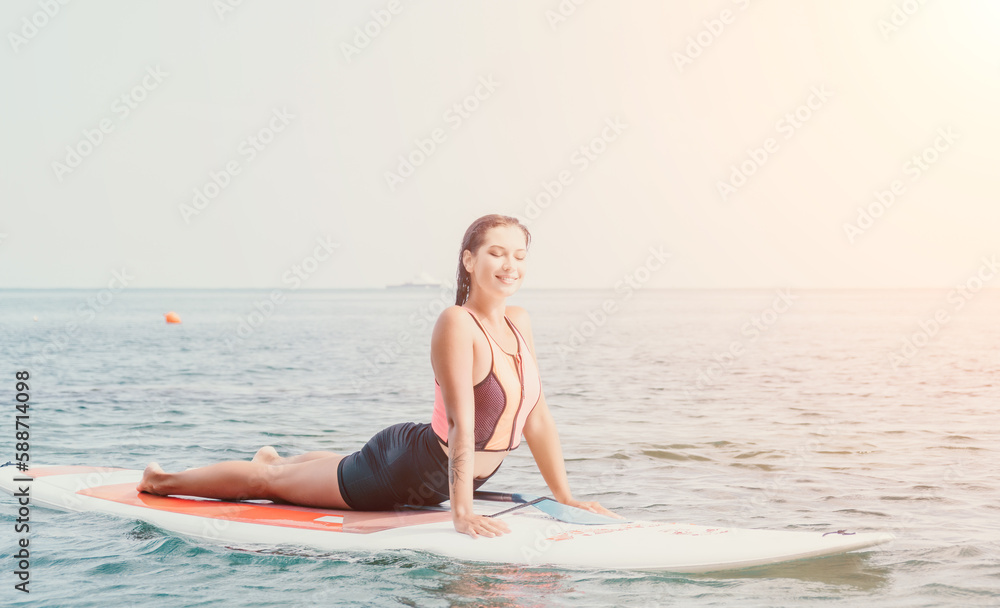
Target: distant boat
(424, 281)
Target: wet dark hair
(473, 240)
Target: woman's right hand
(480, 525)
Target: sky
(750, 143)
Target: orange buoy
(172, 317)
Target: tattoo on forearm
(458, 459)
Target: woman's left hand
(592, 506)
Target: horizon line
(395, 289)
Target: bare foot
(266, 455)
(150, 478)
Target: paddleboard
(536, 539)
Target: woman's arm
(451, 358)
(543, 439)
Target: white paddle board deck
(535, 538)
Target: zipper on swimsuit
(520, 377)
(520, 372)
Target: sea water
(776, 409)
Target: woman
(487, 393)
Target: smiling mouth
(507, 279)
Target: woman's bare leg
(312, 483)
(268, 455)
(231, 480)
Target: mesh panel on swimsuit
(490, 404)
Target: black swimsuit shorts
(402, 464)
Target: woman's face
(499, 265)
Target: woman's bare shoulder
(519, 316)
(454, 311)
(452, 347)
(452, 320)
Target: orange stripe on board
(288, 516)
(254, 513)
(68, 470)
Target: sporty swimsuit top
(503, 399)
